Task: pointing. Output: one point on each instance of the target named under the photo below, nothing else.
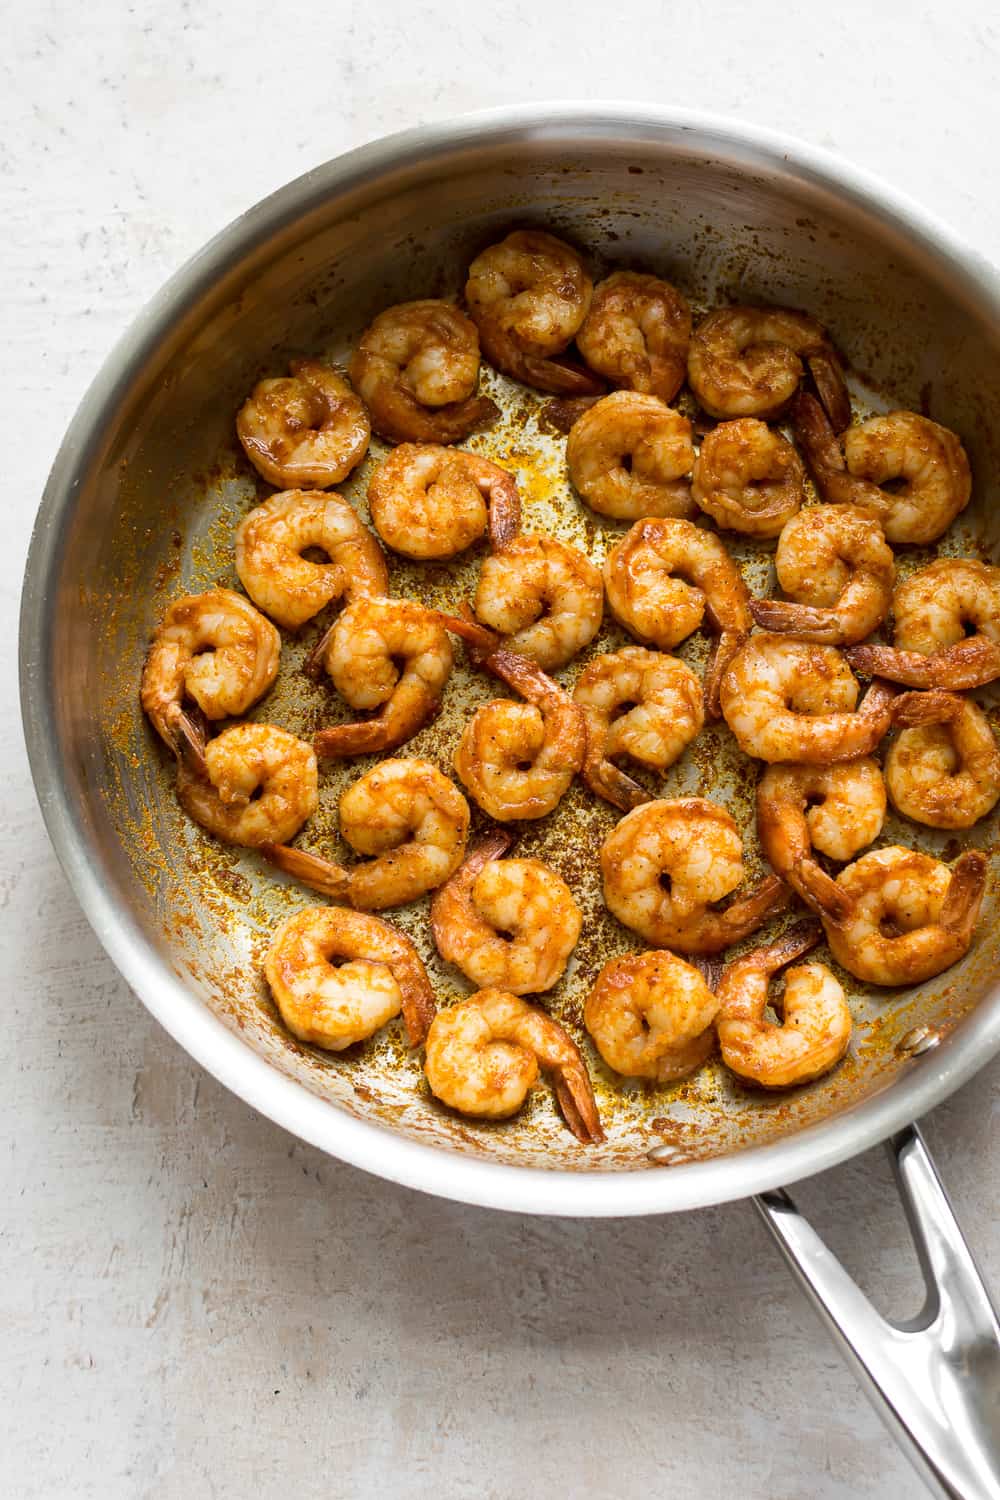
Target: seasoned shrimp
(271, 539)
(639, 703)
(748, 478)
(666, 863)
(506, 923)
(390, 654)
(259, 785)
(545, 596)
(745, 362)
(910, 473)
(428, 501)
(790, 700)
(836, 809)
(409, 817)
(650, 1015)
(630, 456)
(836, 566)
(333, 1006)
(816, 1022)
(518, 759)
(664, 577)
(908, 916)
(528, 296)
(307, 429)
(417, 366)
(944, 769)
(636, 334)
(214, 648)
(483, 1056)
(935, 610)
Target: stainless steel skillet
(140, 506)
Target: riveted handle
(935, 1379)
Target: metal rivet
(921, 1039)
(666, 1155)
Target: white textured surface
(191, 1303)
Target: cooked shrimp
(837, 567)
(836, 809)
(259, 785)
(790, 700)
(636, 335)
(518, 759)
(545, 596)
(409, 817)
(748, 478)
(528, 296)
(333, 1006)
(483, 1056)
(932, 644)
(417, 366)
(666, 863)
(816, 1022)
(650, 1015)
(910, 473)
(639, 703)
(944, 769)
(428, 501)
(390, 654)
(506, 923)
(214, 648)
(745, 362)
(271, 539)
(908, 916)
(307, 429)
(664, 577)
(630, 456)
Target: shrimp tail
(875, 709)
(971, 663)
(828, 374)
(440, 424)
(725, 646)
(816, 436)
(964, 896)
(366, 737)
(792, 944)
(806, 621)
(607, 780)
(560, 377)
(188, 739)
(480, 641)
(313, 664)
(505, 512)
(772, 895)
(560, 415)
(911, 710)
(820, 891)
(310, 869)
(418, 1005)
(578, 1105)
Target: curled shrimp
(409, 818)
(650, 1015)
(638, 703)
(944, 769)
(306, 430)
(636, 334)
(630, 456)
(333, 1006)
(389, 654)
(214, 648)
(667, 863)
(508, 924)
(837, 809)
(258, 785)
(271, 539)
(544, 596)
(747, 362)
(748, 478)
(664, 577)
(483, 1056)
(908, 917)
(428, 501)
(836, 566)
(528, 295)
(417, 366)
(518, 759)
(910, 473)
(934, 611)
(789, 700)
(815, 1026)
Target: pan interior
(164, 487)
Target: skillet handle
(935, 1379)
